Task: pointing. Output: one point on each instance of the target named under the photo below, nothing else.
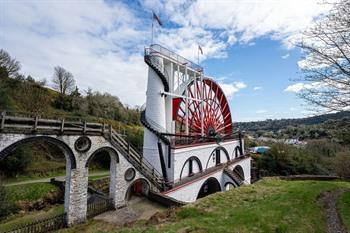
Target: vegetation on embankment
(28, 197)
(318, 157)
(21, 219)
(30, 192)
(270, 205)
(343, 205)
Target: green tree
(17, 161)
(326, 65)
(9, 64)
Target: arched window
(237, 152)
(218, 156)
(191, 166)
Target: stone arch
(229, 185)
(210, 186)
(111, 151)
(114, 159)
(239, 171)
(214, 153)
(71, 191)
(189, 161)
(139, 186)
(237, 152)
(67, 151)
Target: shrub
(7, 207)
(17, 161)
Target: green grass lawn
(343, 205)
(30, 192)
(30, 177)
(270, 205)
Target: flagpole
(152, 31)
(198, 54)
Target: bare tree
(9, 64)
(63, 80)
(326, 65)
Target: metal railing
(40, 226)
(99, 207)
(156, 48)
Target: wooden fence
(40, 226)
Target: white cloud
(251, 43)
(257, 88)
(297, 87)
(292, 109)
(231, 39)
(185, 41)
(280, 20)
(99, 43)
(260, 111)
(231, 88)
(285, 56)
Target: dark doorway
(139, 188)
(210, 186)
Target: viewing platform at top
(170, 56)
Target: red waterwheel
(216, 112)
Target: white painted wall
(155, 111)
(203, 153)
(189, 192)
(246, 165)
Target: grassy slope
(343, 205)
(271, 205)
(30, 192)
(26, 218)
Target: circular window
(129, 174)
(82, 144)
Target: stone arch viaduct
(80, 141)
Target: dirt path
(329, 200)
(138, 208)
(47, 179)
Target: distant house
(259, 149)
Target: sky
(248, 46)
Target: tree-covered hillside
(334, 125)
(26, 95)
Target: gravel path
(329, 200)
(137, 209)
(47, 179)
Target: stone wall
(77, 175)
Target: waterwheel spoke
(208, 101)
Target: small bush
(7, 206)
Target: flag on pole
(200, 49)
(156, 17)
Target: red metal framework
(214, 110)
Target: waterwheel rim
(217, 119)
